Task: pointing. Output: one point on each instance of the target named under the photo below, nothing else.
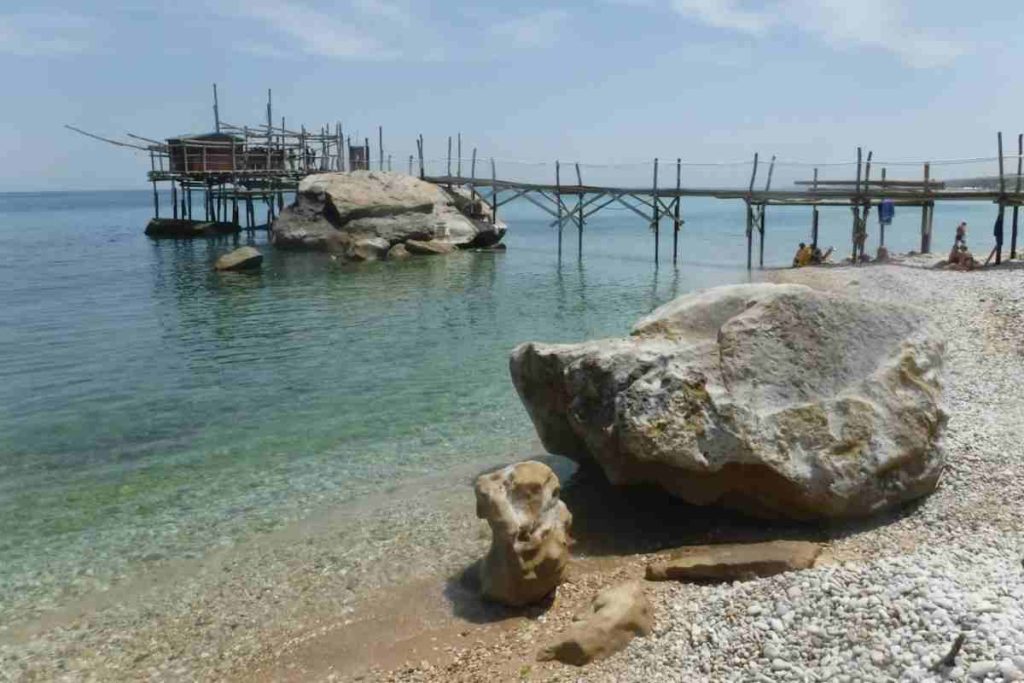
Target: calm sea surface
(150, 407)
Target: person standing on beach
(961, 234)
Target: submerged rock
(615, 617)
(778, 400)
(243, 258)
(183, 228)
(429, 247)
(398, 252)
(734, 562)
(530, 533)
(390, 206)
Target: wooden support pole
(558, 202)
(389, 163)
(458, 164)
(419, 147)
(753, 175)
(760, 243)
(216, 110)
(380, 146)
(345, 162)
(926, 237)
(472, 181)
(494, 192)
(881, 225)
(750, 233)
(814, 227)
(1016, 191)
(762, 214)
(656, 216)
(1002, 178)
(675, 214)
(579, 223)
(448, 173)
(999, 234)
(366, 152)
(156, 201)
(814, 215)
(174, 200)
(859, 153)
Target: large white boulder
(376, 204)
(779, 400)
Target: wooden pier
(235, 168)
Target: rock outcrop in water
(778, 400)
(341, 212)
(530, 533)
(243, 258)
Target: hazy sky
(615, 80)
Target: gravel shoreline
(951, 564)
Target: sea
(153, 408)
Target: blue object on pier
(886, 210)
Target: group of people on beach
(807, 254)
(960, 256)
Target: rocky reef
(778, 400)
(363, 215)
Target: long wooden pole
(558, 201)
(763, 215)
(494, 191)
(1016, 190)
(750, 215)
(1002, 203)
(459, 161)
(216, 109)
(579, 219)
(675, 215)
(656, 216)
(380, 146)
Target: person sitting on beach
(803, 256)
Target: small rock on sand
(616, 616)
(734, 562)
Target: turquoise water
(152, 408)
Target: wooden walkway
(237, 166)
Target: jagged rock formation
(337, 211)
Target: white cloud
(842, 24)
(35, 35)
(390, 11)
(724, 14)
(314, 32)
(532, 30)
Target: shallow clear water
(150, 407)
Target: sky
(601, 82)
